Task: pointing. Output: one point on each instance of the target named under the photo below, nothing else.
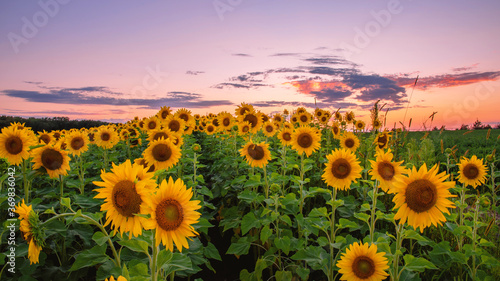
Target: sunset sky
(113, 60)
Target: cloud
(79, 96)
(241, 55)
(447, 80)
(328, 60)
(465, 68)
(285, 55)
(190, 72)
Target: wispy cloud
(191, 72)
(241, 55)
(465, 68)
(447, 80)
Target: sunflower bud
(196, 147)
(490, 158)
(448, 150)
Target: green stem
(194, 174)
(301, 184)
(154, 270)
(267, 184)
(332, 234)
(81, 174)
(25, 182)
(374, 207)
(461, 215)
(399, 242)
(474, 238)
(105, 159)
(61, 180)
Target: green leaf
(239, 248)
(417, 264)
(362, 216)
(139, 270)
(66, 202)
(283, 275)
(202, 225)
(96, 255)
(345, 223)
(412, 234)
(100, 238)
(319, 212)
(253, 181)
(248, 222)
(322, 241)
(365, 207)
(211, 252)
(177, 263)
(286, 219)
(283, 243)
(303, 272)
(265, 233)
(135, 245)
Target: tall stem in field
(332, 233)
(374, 207)
(301, 183)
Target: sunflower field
(246, 196)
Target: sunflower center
(210, 129)
(215, 122)
(174, 125)
(256, 152)
(386, 170)
(164, 115)
(125, 198)
(471, 171)
(45, 138)
(382, 140)
(252, 119)
(341, 168)
(277, 119)
(159, 135)
(105, 136)
(287, 136)
(184, 117)
(349, 143)
(363, 267)
(169, 214)
(303, 118)
(77, 143)
(243, 110)
(52, 159)
(152, 125)
(161, 152)
(14, 145)
(305, 140)
(245, 129)
(226, 122)
(91, 136)
(421, 195)
(336, 130)
(269, 129)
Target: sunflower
(106, 137)
(285, 136)
(120, 278)
(175, 124)
(45, 137)
(304, 118)
(349, 141)
(338, 116)
(360, 125)
(244, 128)
(243, 108)
(141, 161)
(32, 233)
(306, 139)
(264, 117)
(472, 171)
(254, 118)
(225, 121)
(288, 125)
(124, 197)
(15, 144)
(362, 262)
(163, 113)
(197, 117)
(318, 113)
(349, 117)
(421, 197)
(77, 143)
(159, 133)
(386, 171)
(257, 155)
(54, 160)
(269, 129)
(382, 140)
(294, 119)
(210, 129)
(172, 214)
(278, 118)
(151, 124)
(342, 169)
(376, 124)
(185, 115)
(162, 153)
(324, 118)
(188, 130)
(336, 130)
(301, 110)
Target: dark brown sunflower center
(303, 118)
(243, 110)
(159, 135)
(305, 140)
(287, 136)
(52, 159)
(245, 129)
(359, 125)
(125, 198)
(256, 152)
(386, 170)
(349, 143)
(294, 119)
(382, 140)
(164, 114)
(174, 125)
(323, 118)
(14, 145)
(252, 119)
(132, 132)
(277, 119)
(335, 130)
(105, 136)
(134, 142)
(169, 214)
(318, 113)
(341, 168)
(184, 117)
(376, 123)
(210, 129)
(269, 128)
(226, 122)
(470, 171)
(77, 143)
(162, 152)
(152, 125)
(363, 267)
(421, 195)
(91, 136)
(57, 135)
(45, 138)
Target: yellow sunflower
(210, 129)
(294, 119)
(382, 140)
(159, 133)
(77, 143)
(256, 154)
(175, 124)
(15, 144)
(376, 124)
(421, 197)
(324, 118)
(185, 115)
(360, 125)
(288, 125)
(472, 171)
(336, 130)
(162, 153)
(45, 137)
(301, 110)
(363, 262)
(243, 108)
(29, 226)
(141, 161)
(285, 136)
(278, 118)
(306, 140)
(152, 123)
(106, 137)
(124, 197)
(338, 116)
(172, 214)
(342, 169)
(254, 118)
(349, 141)
(244, 128)
(304, 118)
(386, 171)
(54, 160)
(120, 278)
(349, 117)
(225, 121)
(269, 129)
(318, 113)
(163, 113)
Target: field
(300, 196)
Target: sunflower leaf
(417, 264)
(135, 245)
(248, 222)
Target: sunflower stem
(61, 180)
(81, 174)
(154, 270)
(267, 184)
(25, 182)
(399, 242)
(332, 234)
(301, 183)
(461, 216)
(194, 174)
(283, 163)
(105, 159)
(474, 238)
(374, 207)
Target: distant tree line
(50, 123)
(478, 125)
